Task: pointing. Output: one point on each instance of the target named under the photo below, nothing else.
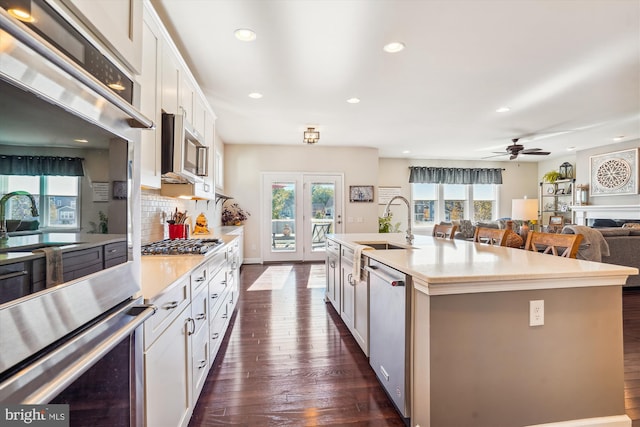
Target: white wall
(244, 165)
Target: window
(433, 203)
(56, 199)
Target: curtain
(41, 165)
(434, 175)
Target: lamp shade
(524, 209)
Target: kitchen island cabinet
(473, 357)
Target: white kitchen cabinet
(333, 274)
(116, 23)
(170, 80)
(150, 95)
(355, 299)
(168, 376)
(187, 97)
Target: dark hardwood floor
(288, 360)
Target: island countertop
(459, 266)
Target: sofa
(624, 249)
(613, 245)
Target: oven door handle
(34, 384)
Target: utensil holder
(177, 231)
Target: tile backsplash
(156, 209)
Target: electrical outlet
(536, 313)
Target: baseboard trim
(613, 421)
(252, 261)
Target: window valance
(41, 165)
(437, 175)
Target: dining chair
(444, 231)
(491, 236)
(564, 245)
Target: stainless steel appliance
(389, 340)
(84, 331)
(184, 156)
(181, 247)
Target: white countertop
(459, 266)
(160, 272)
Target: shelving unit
(556, 199)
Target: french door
(299, 211)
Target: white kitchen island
(474, 359)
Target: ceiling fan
(516, 149)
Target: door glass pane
(283, 212)
(322, 217)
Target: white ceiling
(568, 69)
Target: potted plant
(551, 176)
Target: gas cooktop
(181, 247)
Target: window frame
(440, 205)
(43, 208)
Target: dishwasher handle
(387, 278)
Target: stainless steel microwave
(184, 156)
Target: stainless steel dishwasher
(389, 332)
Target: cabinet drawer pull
(170, 305)
(200, 279)
(224, 316)
(223, 283)
(202, 364)
(112, 251)
(215, 336)
(201, 316)
(14, 274)
(193, 326)
(214, 296)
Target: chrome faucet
(387, 212)
(3, 207)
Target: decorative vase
(286, 230)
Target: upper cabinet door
(117, 23)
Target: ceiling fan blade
(538, 153)
(513, 156)
(530, 150)
(495, 155)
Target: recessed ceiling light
(80, 140)
(117, 86)
(572, 148)
(255, 95)
(619, 138)
(245, 34)
(503, 109)
(21, 14)
(394, 47)
(353, 100)
(406, 152)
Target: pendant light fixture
(311, 136)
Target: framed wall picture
(385, 194)
(615, 173)
(556, 220)
(361, 193)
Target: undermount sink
(384, 245)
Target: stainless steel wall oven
(77, 339)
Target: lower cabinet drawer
(169, 306)
(200, 347)
(217, 330)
